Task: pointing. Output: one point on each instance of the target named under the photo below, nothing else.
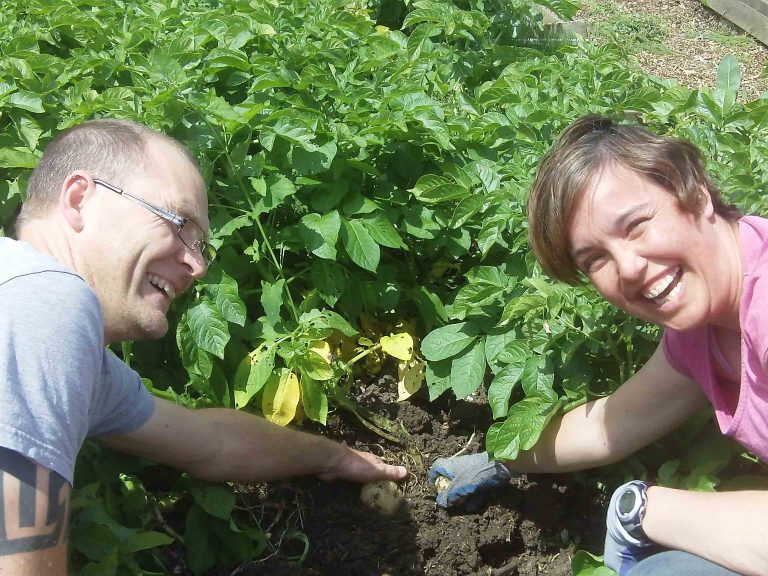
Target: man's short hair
(578, 158)
(108, 149)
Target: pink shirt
(741, 413)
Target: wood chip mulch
(692, 55)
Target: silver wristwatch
(631, 508)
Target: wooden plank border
(749, 15)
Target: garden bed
(530, 528)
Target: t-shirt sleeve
(51, 354)
(121, 402)
(674, 348)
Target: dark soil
(532, 527)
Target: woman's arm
(649, 405)
(728, 528)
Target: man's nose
(194, 260)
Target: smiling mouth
(666, 288)
(162, 285)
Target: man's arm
(226, 444)
(34, 507)
(649, 405)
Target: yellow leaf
(410, 378)
(398, 345)
(281, 397)
(322, 349)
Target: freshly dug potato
(441, 484)
(383, 496)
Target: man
(112, 230)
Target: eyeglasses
(189, 231)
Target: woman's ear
(75, 191)
(706, 206)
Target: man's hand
(362, 467)
(469, 476)
(625, 542)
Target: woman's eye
(592, 264)
(636, 226)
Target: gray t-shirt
(59, 383)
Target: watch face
(627, 502)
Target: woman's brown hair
(579, 156)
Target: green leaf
(466, 208)
(93, 540)
(26, 101)
(431, 307)
(520, 306)
(495, 343)
(468, 369)
(315, 366)
(208, 328)
(728, 81)
(359, 244)
(585, 564)
(252, 373)
(145, 541)
(433, 189)
(382, 231)
(313, 162)
(472, 297)
(278, 189)
(196, 360)
(329, 279)
(448, 340)
(17, 158)
(200, 541)
(216, 499)
(522, 428)
(314, 400)
(501, 387)
(272, 300)
(538, 377)
(295, 134)
(337, 322)
(320, 233)
(228, 301)
(438, 375)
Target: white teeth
(163, 285)
(665, 289)
(675, 291)
(659, 287)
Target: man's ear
(75, 190)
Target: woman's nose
(631, 267)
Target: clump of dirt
(528, 528)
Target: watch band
(631, 507)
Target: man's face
(136, 261)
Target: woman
(637, 215)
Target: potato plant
(367, 164)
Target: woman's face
(654, 260)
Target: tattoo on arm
(34, 503)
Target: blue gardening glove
(470, 476)
(625, 542)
